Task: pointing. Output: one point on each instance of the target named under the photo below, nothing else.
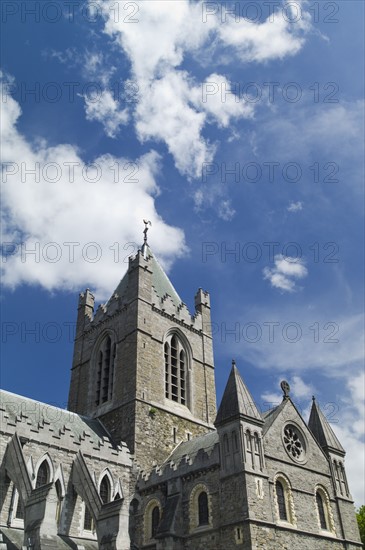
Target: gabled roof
(322, 431)
(237, 401)
(160, 280)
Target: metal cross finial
(233, 362)
(286, 388)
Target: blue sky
(240, 136)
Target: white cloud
(225, 211)
(271, 400)
(295, 206)
(300, 389)
(275, 38)
(105, 109)
(158, 36)
(70, 202)
(285, 272)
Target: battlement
(188, 458)
(58, 427)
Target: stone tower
(143, 365)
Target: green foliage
(360, 516)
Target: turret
(239, 425)
(335, 453)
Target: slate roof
(271, 415)
(191, 448)
(322, 431)
(160, 281)
(15, 407)
(237, 400)
(14, 541)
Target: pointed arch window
(343, 480)
(280, 496)
(175, 369)
(105, 366)
(105, 490)
(257, 451)
(59, 501)
(248, 449)
(43, 474)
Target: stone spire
(237, 401)
(322, 431)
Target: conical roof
(322, 431)
(237, 400)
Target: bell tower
(143, 364)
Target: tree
(360, 516)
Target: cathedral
(142, 459)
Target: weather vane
(145, 231)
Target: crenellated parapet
(185, 461)
(56, 427)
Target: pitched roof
(322, 431)
(205, 442)
(237, 400)
(160, 281)
(15, 408)
(271, 415)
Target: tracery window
(105, 360)
(175, 369)
(294, 443)
(43, 474)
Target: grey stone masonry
(144, 310)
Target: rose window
(294, 442)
